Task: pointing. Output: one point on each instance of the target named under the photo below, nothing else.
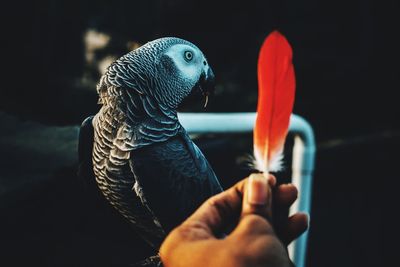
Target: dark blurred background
(347, 66)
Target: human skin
(255, 236)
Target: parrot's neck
(150, 122)
(138, 119)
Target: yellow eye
(188, 56)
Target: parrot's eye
(188, 56)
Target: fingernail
(257, 189)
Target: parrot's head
(181, 69)
(188, 71)
(166, 70)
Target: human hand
(247, 207)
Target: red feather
(276, 90)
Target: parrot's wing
(85, 149)
(175, 179)
(152, 234)
(153, 261)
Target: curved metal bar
(302, 164)
(302, 176)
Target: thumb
(257, 197)
(256, 206)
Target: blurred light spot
(132, 45)
(104, 63)
(94, 40)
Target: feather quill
(276, 91)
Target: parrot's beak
(203, 88)
(207, 84)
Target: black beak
(207, 84)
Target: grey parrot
(142, 159)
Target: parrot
(142, 159)
(276, 94)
